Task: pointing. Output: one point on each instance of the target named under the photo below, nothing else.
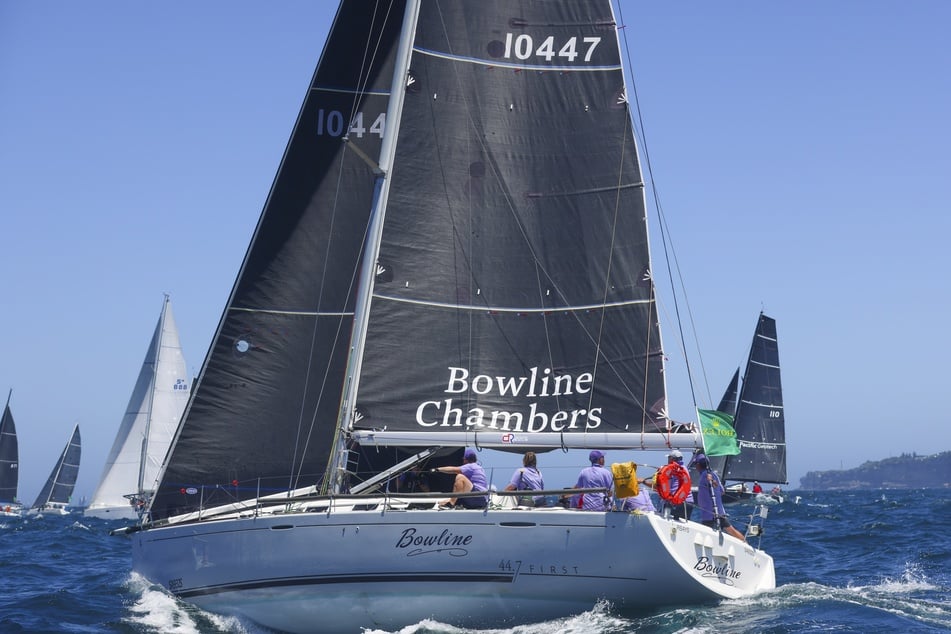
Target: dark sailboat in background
(58, 490)
(10, 505)
(453, 254)
(759, 421)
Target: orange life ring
(663, 478)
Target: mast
(368, 267)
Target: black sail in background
(727, 406)
(59, 486)
(760, 421)
(514, 290)
(728, 401)
(9, 457)
(264, 410)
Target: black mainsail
(9, 456)
(760, 420)
(502, 262)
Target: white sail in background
(150, 421)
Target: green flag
(719, 437)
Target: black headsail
(264, 409)
(727, 406)
(513, 291)
(760, 419)
(9, 456)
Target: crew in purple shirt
(595, 477)
(710, 499)
(470, 476)
(528, 478)
(641, 502)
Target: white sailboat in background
(57, 493)
(151, 418)
(453, 254)
(10, 505)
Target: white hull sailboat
(453, 254)
(151, 418)
(337, 569)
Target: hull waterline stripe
(376, 578)
(347, 579)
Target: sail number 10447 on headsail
(523, 47)
(333, 123)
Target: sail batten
(302, 313)
(511, 309)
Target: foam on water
(158, 611)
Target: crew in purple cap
(595, 477)
(469, 477)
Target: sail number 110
(523, 47)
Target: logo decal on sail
(538, 384)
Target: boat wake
(155, 610)
(907, 598)
(598, 620)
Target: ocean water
(857, 561)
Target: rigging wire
(370, 52)
(668, 248)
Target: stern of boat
(724, 565)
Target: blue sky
(800, 152)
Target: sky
(799, 151)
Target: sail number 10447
(524, 47)
(333, 123)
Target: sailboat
(10, 505)
(145, 433)
(453, 254)
(58, 490)
(760, 422)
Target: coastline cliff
(908, 471)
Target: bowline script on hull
(453, 254)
